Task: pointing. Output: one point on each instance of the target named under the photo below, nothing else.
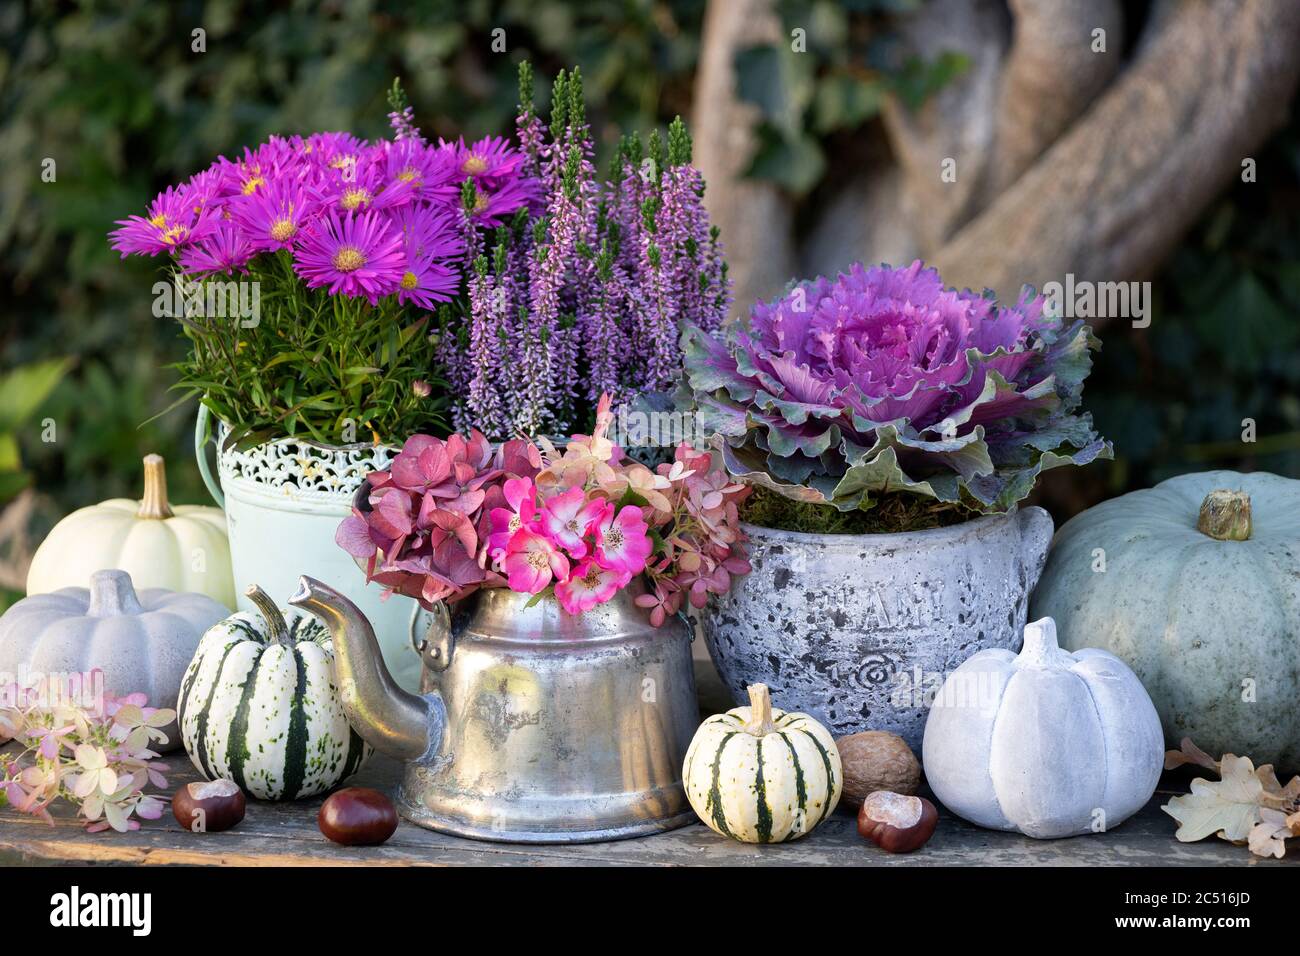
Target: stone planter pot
(860, 631)
(283, 502)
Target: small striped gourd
(760, 775)
(258, 706)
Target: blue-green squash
(1195, 584)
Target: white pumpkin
(1047, 743)
(141, 641)
(761, 775)
(181, 548)
(259, 706)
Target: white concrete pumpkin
(1047, 743)
(180, 547)
(141, 641)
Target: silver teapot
(533, 725)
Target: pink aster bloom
(588, 586)
(354, 255)
(274, 217)
(494, 207)
(431, 240)
(223, 252)
(521, 512)
(531, 562)
(173, 221)
(568, 518)
(621, 540)
(490, 159)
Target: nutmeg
(897, 823)
(877, 760)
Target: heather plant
(586, 293)
(883, 386)
(98, 759)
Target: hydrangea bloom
(451, 517)
(884, 380)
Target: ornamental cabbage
(883, 380)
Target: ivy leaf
(793, 162)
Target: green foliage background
(114, 94)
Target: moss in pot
(890, 427)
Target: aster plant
(586, 291)
(882, 385)
(329, 254)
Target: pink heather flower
(354, 255)
(531, 561)
(588, 586)
(224, 251)
(622, 543)
(173, 221)
(274, 217)
(521, 498)
(568, 518)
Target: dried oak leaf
(1188, 752)
(1277, 796)
(1268, 836)
(1229, 807)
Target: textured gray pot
(861, 630)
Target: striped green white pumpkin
(258, 706)
(761, 775)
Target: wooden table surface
(285, 834)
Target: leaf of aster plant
(1229, 807)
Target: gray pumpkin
(1200, 595)
(141, 641)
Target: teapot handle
(436, 645)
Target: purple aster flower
(176, 218)
(275, 216)
(496, 207)
(224, 251)
(490, 161)
(356, 255)
(430, 240)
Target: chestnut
(357, 816)
(209, 806)
(896, 823)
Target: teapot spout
(392, 720)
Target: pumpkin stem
(112, 595)
(275, 621)
(154, 503)
(760, 711)
(1040, 644)
(1225, 515)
